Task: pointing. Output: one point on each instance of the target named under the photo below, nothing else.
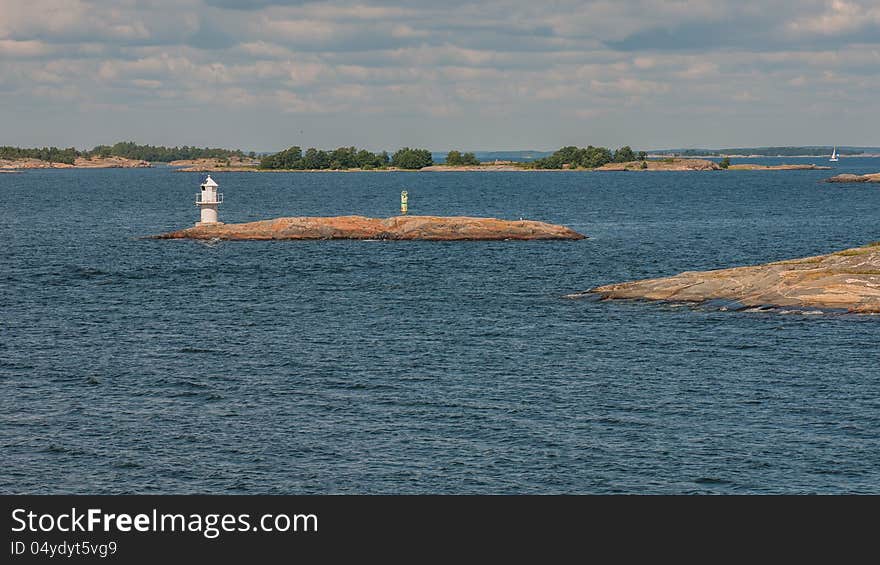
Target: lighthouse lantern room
(208, 199)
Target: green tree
(624, 155)
(343, 158)
(407, 158)
(589, 157)
(457, 158)
(453, 158)
(724, 163)
(340, 158)
(597, 156)
(469, 159)
(288, 159)
(315, 159)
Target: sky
(492, 75)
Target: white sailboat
(834, 155)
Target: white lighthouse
(208, 199)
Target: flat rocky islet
(847, 281)
(428, 228)
(846, 177)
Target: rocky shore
(844, 281)
(431, 228)
(485, 167)
(110, 163)
(79, 163)
(663, 165)
(213, 165)
(873, 177)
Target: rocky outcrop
(847, 280)
(211, 165)
(873, 177)
(109, 163)
(79, 163)
(783, 167)
(32, 164)
(663, 165)
(432, 228)
(486, 167)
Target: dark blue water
(131, 365)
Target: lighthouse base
(209, 224)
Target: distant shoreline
(214, 165)
(634, 166)
(664, 164)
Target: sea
(134, 365)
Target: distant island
(128, 154)
(186, 158)
(781, 151)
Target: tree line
(586, 157)
(51, 154)
(163, 154)
(127, 149)
(408, 158)
(346, 158)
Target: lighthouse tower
(208, 199)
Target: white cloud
(840, 16)
(11, 48)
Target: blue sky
(266, 74)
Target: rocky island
(847, 280)
(873, 177)
(430, 228)
(670, 164)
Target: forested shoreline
(126, 149)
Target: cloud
(840, 17)
(253, 4)
(13, 48)
(494, 72)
